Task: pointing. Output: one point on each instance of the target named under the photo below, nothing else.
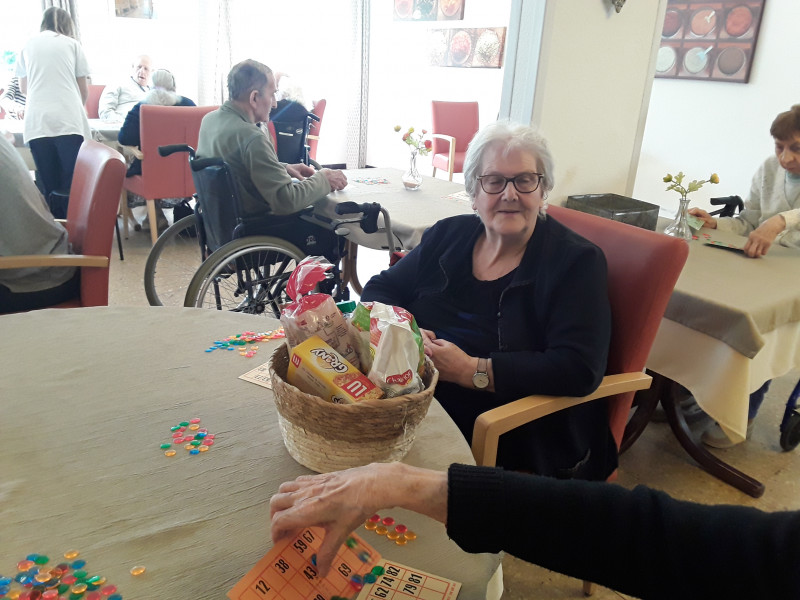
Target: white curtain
(357, 111)
(214, 43)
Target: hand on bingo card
(338, 502)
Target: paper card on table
(460, 197)
(695, 222)
(259, 376)
(399, 581)
(287, 573)
(724, 246)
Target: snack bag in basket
(316, 368)
(315, 314)
(395, 345)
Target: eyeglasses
(525, 183)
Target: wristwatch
(481, 377)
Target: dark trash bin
(617, 208)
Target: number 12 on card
(287, 573)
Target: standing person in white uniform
(52, 71)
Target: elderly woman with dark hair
(772, 209)
(513, 303)
(52, 71)
(771, 215)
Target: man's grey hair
(245, 77)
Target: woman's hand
(340, 502)
(452, 362)
(760, 240)
(710, 221)
(427, 336)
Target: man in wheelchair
(272, 194)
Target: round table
(88, 395)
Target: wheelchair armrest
(730, 206)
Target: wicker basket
(327, 437)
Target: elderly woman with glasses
(512, 303)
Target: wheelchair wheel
(790, 432)
(247, 275)
(174, 259)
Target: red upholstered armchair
(454, 126)
(315, 127)
(92, 212)
(165, 176)
(93, 101)
(643, 267)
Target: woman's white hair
(511, 136)
(163, 92)
(164, 80)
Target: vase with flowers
(680, 226)
(412, 180)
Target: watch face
(480, 380)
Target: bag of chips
(394, 347)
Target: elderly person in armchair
(513, 303)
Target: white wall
(592, 91)
(402, 83)
(701, 127)
(111, 42)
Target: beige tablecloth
(733, 298)
(87, 397)
(411, 212)
(732, 323)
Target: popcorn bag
(315, 314)
(395, 347)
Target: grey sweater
(768, 197)
(27, 227)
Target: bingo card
(287, 573)
(401, 582)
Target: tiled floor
(655, 460)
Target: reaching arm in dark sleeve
(639, 542)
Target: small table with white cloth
(411, 211)
(102, 131)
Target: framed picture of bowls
(137, 9)
(711, 41)
(481, 47)
(428, 10)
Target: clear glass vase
(412, 180)
(679, 228)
